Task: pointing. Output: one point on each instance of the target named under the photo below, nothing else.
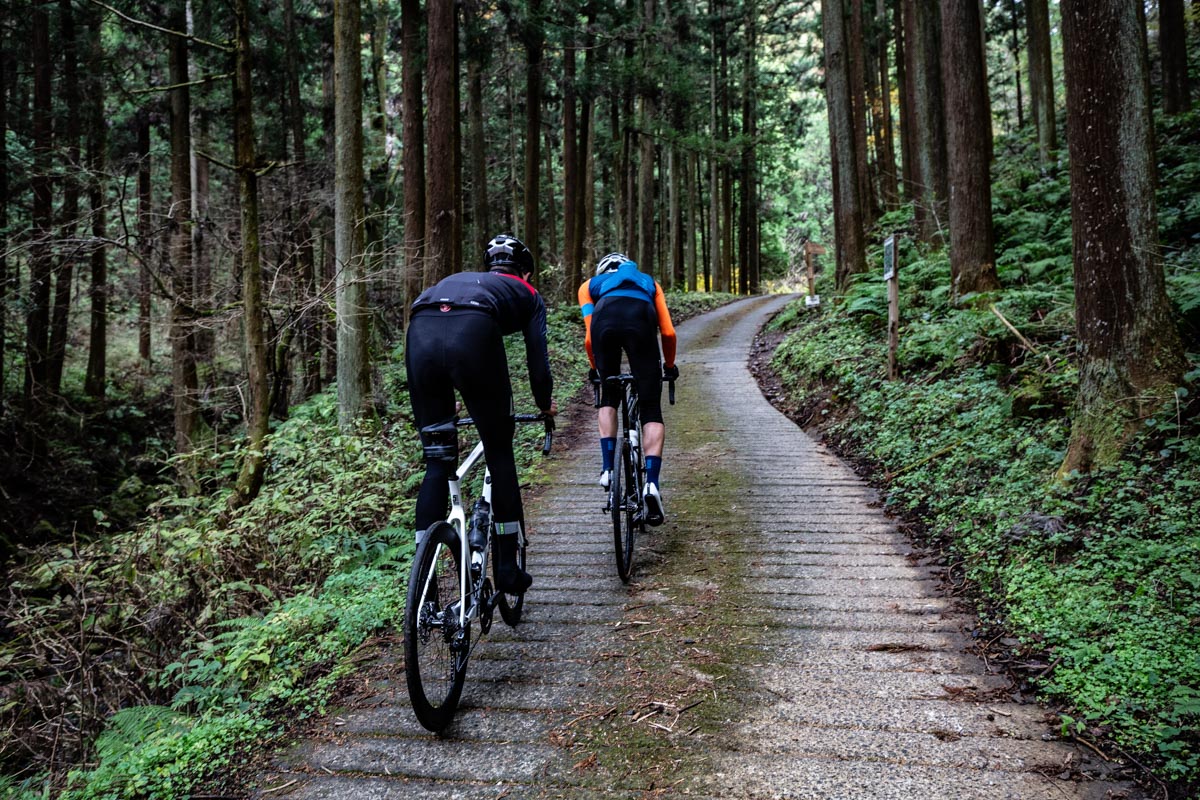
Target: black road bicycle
(449, 591)
(626, 499)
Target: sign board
(812, 301)
(814, 249)
(889, 258)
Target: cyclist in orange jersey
(624, 310)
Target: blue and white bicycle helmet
(610, 262)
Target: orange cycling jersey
(627, 281)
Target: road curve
(781, 639)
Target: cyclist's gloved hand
(593, 375)
(671, 373)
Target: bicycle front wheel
(624, 501)
(436, 642)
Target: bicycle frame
(458, 520)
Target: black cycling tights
(629, 324)
(463, 350)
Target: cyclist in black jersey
(456, 341)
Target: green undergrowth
(1098, 577)
(194, 637)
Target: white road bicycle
(449, 591)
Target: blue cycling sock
(608, 446)
(653, 466)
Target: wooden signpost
(812, 249)
(893, 298)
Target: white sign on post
(889, 258)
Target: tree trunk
(4, 237)
(64, 274)
(145, 235)
(414, 152)
(477, 49)
(96, 379)
(693, 220)
(1130, 357)
(908, 178)
(923, 72)
(305, 290)
(712, 276)
(534, 39)
(353, 370)
(254, 459)
(968, 140)
(847, 212)
(571, 182)
(856, 47)
(1016, 56)
(884, 135)
(1041, 76)
(41, 262)
(439, 170)
(1172, 42)
(585, 196)
(183, 355)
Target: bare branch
(223, 47)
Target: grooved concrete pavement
(780, 640)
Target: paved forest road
(780, 640)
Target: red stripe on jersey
(528, 285)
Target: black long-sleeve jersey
(513, 303)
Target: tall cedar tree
(441, 205)
(1130, 352)
(1041, 76)
(145, 235)
(3, 204)
(534, 39)
(37, 327)
(412, 109)
(571, 181)
(847, 204)
(183, 319)
(1172, 42)
(94, 383)
(353, 375)
(968, 145)
(71, 127)
(922, 71)
(250, 478)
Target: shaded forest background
(214, 216)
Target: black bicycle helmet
(507, 253)
(611, 262)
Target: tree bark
(477, 49)
(183, 356)
(534, 40)
(847, 212)
(439, 170)
(353, 376)
(856, 44)
(968, 140)
(884, 135)
(4, 237)
(571, 182)
(414, 152)
(96, 379)
(40, 259)
(250, 478)
(908, 179)
(923, 73)
(1041, 76)
(302, 232)
(64, 274)
(145, 235)
(1172, 42)
(1130, 357)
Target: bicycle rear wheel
(436, 644)
(511, 605)
(624, 502)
